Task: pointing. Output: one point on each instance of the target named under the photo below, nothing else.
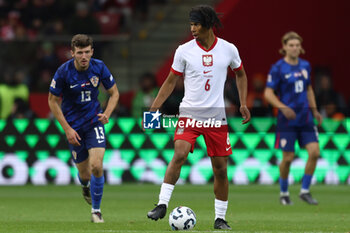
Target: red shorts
(216, 138)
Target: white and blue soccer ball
(182, 218)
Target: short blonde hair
(290, 36)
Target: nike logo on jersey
(206, 71)
(287, 76)
(100, 141)
(228, 148)
(72, 86)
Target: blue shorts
(91, 137)
(287, 135)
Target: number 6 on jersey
(207, 85)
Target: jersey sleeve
(178, 65)
(106, 77)
(273, 78)
(236, 62)
(308, 69)
(57, 83)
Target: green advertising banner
(36, 151)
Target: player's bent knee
(85, 175)
(288, 161)
(288, 157)
(180, 156)
(315, 155)
(179, 159)
(97, 169)
(220, 173)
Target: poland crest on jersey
(94, 80)
(207, 60)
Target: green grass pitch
(252, 208)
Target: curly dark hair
(208, 17)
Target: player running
(290, 79)
(81, 117)
(203, 62)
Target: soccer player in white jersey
(203, 62)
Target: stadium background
(34, 150)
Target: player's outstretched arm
(313, 105)
(165, 91)
(242, 86)
(275, 102)
(112, 103)
(72, 136)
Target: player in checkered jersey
(203, 62)
(289, 77)
(81, 116)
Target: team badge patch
(269, 78)
(207, 60)
(94, 80)
(305, 74)
(283, 142)
(53, 83)
(180, 131)
(74, 153)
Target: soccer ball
(182, 218)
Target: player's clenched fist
(103, 118)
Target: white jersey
(205, 74)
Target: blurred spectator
(331, 111)
(47, 63)
(171, 105)
(144, 97)
(9, 26)
(120, 110)
(55, 28)
(5, 7)
(21, 32)
(83, 21)
(13, 88)
(47, 59)
(255, 98)
(125, 100)
(43, 81)
(325, 94)
(141, 10)
(21, 110)
(231, 97)
(123, 7)
(37, 13)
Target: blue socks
(306, 182)
(83, 182)
(283, 185)
(96, 189)
(305, 185)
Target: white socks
(302, 191)
(165, 193)
(220, 209)
(284, 194)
